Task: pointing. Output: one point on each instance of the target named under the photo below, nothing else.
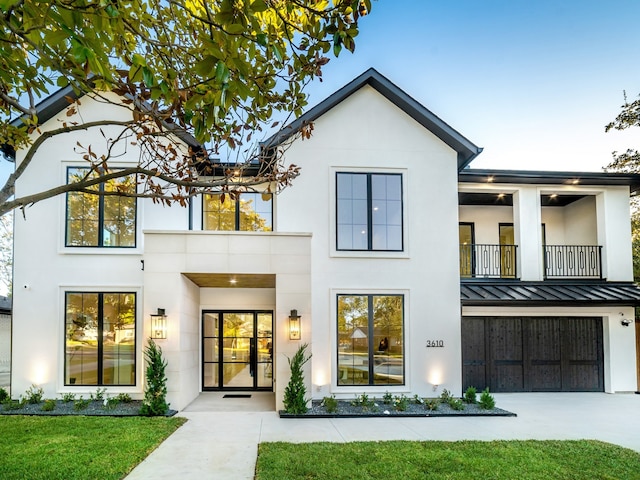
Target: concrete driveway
(223, 444)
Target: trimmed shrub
(295, 391)
(155, 394)
(487, 401)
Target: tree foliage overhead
(629, 162)
(219, 70)
(628, 117)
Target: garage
(533, 354)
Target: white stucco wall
(170, 254)
(367, 133)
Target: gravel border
(94, 408)
(380, 409)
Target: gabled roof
(466, 150)
(470, 175)
(58, 101)
(540, 294)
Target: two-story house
(403, 269)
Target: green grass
(402, 460)
(78, 447)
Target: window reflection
(369, 211)
(370, 340)
(249, 212)
(100, 339)
(101, 220)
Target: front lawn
(403, 460)
(71, 447)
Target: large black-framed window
(370, 339)
(249, 212)
(99, 220)
(369, 211)
(100, 338)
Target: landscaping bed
(402, 406)
(92, 408)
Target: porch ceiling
(232, 280)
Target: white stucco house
(409, 271)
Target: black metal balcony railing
(488, 261)
(576, 261)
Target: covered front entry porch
(227, 298)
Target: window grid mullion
(101, 216)
(370, 340)
(369, 214)
(100, 337)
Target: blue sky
(533, 82)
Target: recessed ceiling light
(233, 281)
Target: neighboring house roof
(5, 305)
(58, 101)
(537, 294)
(549, 178)
(466, 150)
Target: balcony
(488, 261)
(560, 261)
(572, 261)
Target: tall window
(370, 340)
(95, 220)
(100, 338)
(252, 212)
(369, 211)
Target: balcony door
(467, 249)
(237, 350)
(507, 250)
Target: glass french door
(237, 350)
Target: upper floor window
(369, 211)
(99, 220)
(250, 212)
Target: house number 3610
(435, 343)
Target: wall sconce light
(625, 322)
(294, 325)
(159, 324)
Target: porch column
(528, 233)
(614, 234)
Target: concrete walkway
(223, 444)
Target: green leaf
(261, 38)
(147, 77)
(235, 29)
(259, 6)
(277, 53)
(205, 66)
(222, 72)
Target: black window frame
(236, 212)
(370, 248)
(370, 341)
(101, 199)
(100, 340)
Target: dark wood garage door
(533, 354)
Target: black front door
(237, 350)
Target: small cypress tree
(155, 394)
(294, 394)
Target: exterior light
(159, 325)
(490, 179)
(294, 325)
